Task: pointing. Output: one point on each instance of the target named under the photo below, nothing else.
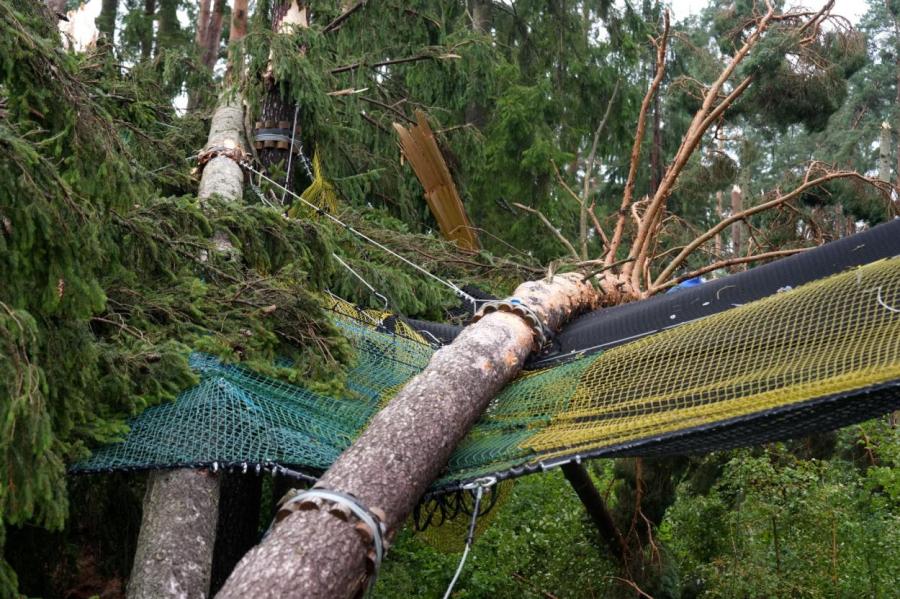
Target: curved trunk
(323, 553)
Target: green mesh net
(817, 357)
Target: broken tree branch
(549, 225)
(661, 45)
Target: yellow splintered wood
(421, 150)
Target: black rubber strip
(606, 328)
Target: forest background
(535, 103)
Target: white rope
(459, 292)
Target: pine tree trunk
(175, 545)
(884, 153)
(313, 553)
(238, 21)
(106, 21)
(213, 35)
(168, 24)
(480, 11)
(147, 34)
(278, 110)
(737, 229)
(202, 24)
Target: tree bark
(737, 206)
(106, 20)
(175, 545)
(169, 28)
(593, 503)
(213, 35)
(238, 21)
(884, 153)
(312, 553)
(480, 11)
(147, 35)
(278, 110)
(202, 24)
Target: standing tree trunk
(202, 24)
(213, 35)
(325, 553)
(737, 229)
(238, 21)
(147, 32)
(178, 530)
(480, 11)
(169, 28)
(884, 153)
(278, 110)
(106, 20)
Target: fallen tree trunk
(327, 552)
(178, 530)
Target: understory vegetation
(564, 124)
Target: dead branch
(338, 21)
(660, 44)
(588, 175)
(777, 201)
(711, 109)
(384, 63)
(726, 263)
(549, 225)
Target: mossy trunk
(314, 553)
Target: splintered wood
(421, 150)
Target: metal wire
(459, 292)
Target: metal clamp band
(515, 306)
(360, 511)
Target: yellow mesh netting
(834, 335)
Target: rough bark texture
(277, 110)
(737, 236)
(175, 545)
(596, 508)
(238, 21)
(202, 23)
(222, 175)
(315, 554)
(884, 153)
(213, 34)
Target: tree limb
(546, 221)
(638, 139)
